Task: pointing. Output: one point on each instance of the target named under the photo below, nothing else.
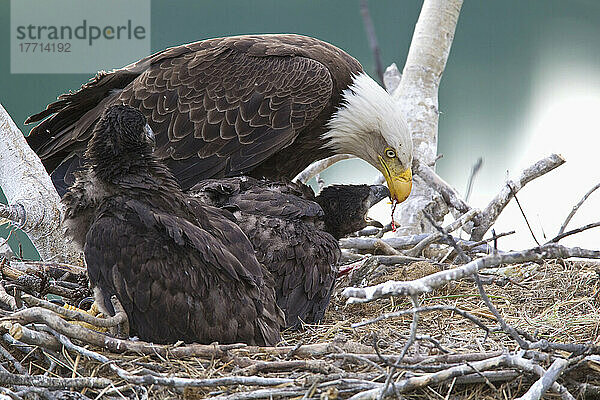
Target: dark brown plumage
(181, 269)
(253, 105)
(295, 233)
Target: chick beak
(373, 222)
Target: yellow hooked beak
(399, 181)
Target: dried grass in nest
(556, 300)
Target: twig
(442, 232)
(573, 231)
(18, 366)
(449, 194)
(575, 208)
(494, 208)
(414, 324)
(17, 268)
(171, 381)
(433, 281)
(54, 321)
(406, 242)
(532, 368)
(385, 248)
(537, 390)
(372, 37)
(505, 327)
(319, 166)
(54, 383)
(317, 366)
(438, 307)
(494, 239)
(357, 357)
(474, 171)
(394, 260)
(410, 384)
(32, 337)
(7, 299)
(522, 212)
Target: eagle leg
(119, 330)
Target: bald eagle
(260, 105)
(295, 234)
(182, 270)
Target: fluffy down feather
(295, 233)
(181, 269)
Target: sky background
(522, 81)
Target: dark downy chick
(345, 207)
(182, 270)
(295, 233)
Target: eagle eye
(390, 153)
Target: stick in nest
(436, 280)
(575, 208)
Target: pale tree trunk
(33, 203)
(417, 93)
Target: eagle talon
(93, 311)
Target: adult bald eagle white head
(261, 105)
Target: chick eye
(390, 153)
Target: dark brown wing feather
(285, 227)
(178, 281)
(219, 107)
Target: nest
(554, 301)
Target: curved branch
(319, 166)
(33, 201)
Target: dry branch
(372, 37)
(7, 299)
(319, 166)
(537, 390)
(417, 94)
(119, 317)
(532, 368)
(15, 269)
(50, 382)
(573, 231)
(430, 282)
(434, 237)
(32, 200)
(449, 194)
(55, 322)
(410, 384)
(575, 208)
(510, 188)
(406, 242)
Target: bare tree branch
(541, 386)
(430, 282)
(495, 207)
(474, 171)
(372, 37)
(319, 166)
(575, 208)
(573, 231)
(434, 237)
(33, 201)
(417, 94)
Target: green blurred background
(522, 80)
